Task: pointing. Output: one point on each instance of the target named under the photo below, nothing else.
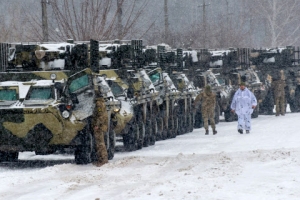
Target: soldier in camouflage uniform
(100, 126)
(207, 99)
(278, 85)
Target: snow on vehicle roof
(61, 47)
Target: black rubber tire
(83, 153)
(198, 120)
(217, 114)
(154, 131)
(255, 112)
(141, 135)
(86, 152)
(229, 116)
(112, 144)
(129, 139)
(148, 133)
(160, 129)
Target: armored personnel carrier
(50, 112)
(167, 116)
(137, 124)
(282, 59)
(223, 92)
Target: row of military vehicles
(48, 92)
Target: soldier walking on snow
(243, 104)
(207, 99)
(278, 85)
(100, 126)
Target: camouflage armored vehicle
(188, 93)
(137, 124)
(39, 56)
(45, 115)
(167, 116)
(282, 59)
(233, 66)
(223, 93)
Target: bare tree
(281, 18)
(97, 19)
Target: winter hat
(243, 83)
(207, 88)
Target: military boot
(206, 132)
(240, 131)
(214, 131)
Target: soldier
(100, 126)
(243, 104)
(278, 85)
(207, 99)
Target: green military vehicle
(51, 112)
(39, 56)
(188, 93)
(223, 93)
(269, 62)
(137, 124)
(168, 112)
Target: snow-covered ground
(264, 164)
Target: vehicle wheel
(83, 152)
(217, 114)
(192, 121)
(255, 112)
(154, 131)
(267, 104)
(229, 116)
(198, 120)
(160, 129)
(295, 103)
(181, 125)
(171, 129)
(9, 156)
(130, 139)
(141, 135)
(112, 144)
(148, 133)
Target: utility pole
(120, 12)
(204, 22)
(45, 21)
(166, 21)
(227, 23)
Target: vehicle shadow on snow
(23, 164)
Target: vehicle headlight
(65, 114)
(53, 76)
